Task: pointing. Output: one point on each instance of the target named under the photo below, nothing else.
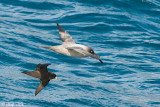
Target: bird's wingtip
(45, 64)
(24, 72)
(57, 23)
(46, 47)
(36, 93)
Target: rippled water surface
(125, 33)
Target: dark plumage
(43, 74)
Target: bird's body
(43, 74)
(70, 48)
(62, 49)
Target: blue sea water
(125, 33)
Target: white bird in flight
(70, 48)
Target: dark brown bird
(43, 74)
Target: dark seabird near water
(43, 74)
(70, 48)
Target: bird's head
(93, 54)
(53, 76)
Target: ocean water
(125, 33)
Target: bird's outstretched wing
(41, 85)
(64, 35)
(35, 74)
(42, 67)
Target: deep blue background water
(125, 33)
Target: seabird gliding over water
(70, 48)
(43, 74)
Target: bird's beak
(56, 78)
(100, 60)
(97, 57)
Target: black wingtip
(100, 60)
(36, 93)
(46, 47)
(25, 72)
(60, 28)
(45, 64)
(57, 23)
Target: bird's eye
(92, 52)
